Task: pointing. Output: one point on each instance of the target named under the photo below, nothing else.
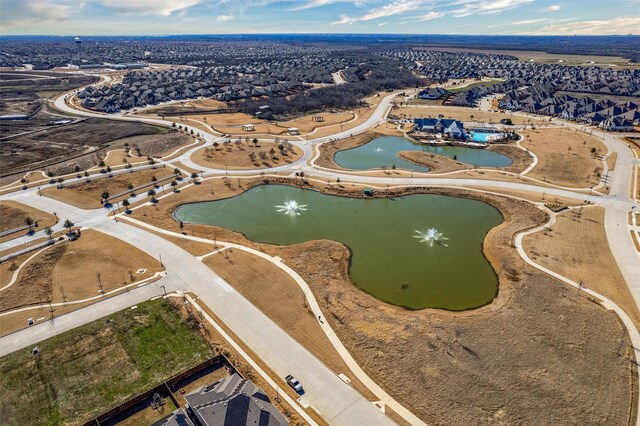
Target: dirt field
(577, 248)
(276, 294)
(14, 215)
(539, 343)
(564, 156)
(61, 148)
(86, 194)
(153, 145)
(91, 369)
(246, 155)
(69, 271)
(463, 114)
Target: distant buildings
(433, 93)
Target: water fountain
(431, 236)
(291, 208)
(378, 150)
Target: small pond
(417, 251)
(382, 152)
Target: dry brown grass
(237, 156)
(436, 163)
(539, 343)
(637, 184)
(14, 215)
(86, 194)
(116, 157)
(69, 271)
(442, 164)
(611, 161)
(577, 247)
(564, 156)
(8, 268)
(463, 114)
(536, 196)
(231, 123)
(18, 320)
(636, 242)
(276, 294)
(187, 168)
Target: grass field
(564, 156)
(13, 215)
(237, 156)
(86, 194)
(69, 271)
(86, 371)
(576, 247)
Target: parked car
(294, 383)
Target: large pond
(383, 152)
(394, 255)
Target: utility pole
(100, 283)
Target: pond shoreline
(332, 155)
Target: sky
(162, 17)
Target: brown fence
(165, 390)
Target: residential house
(446, 126)
(233, 401)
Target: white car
(294, 383)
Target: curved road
(335, 401)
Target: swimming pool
(485, 136)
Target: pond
(416, 251)
(383, 151)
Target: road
(337, 402)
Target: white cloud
(552, 8)
(485, 7)
(430, 15)
(428, 9)
(528, 21)
(396, 7)
(382, 24)
(31, 12)
(311, 4)
(628, 25)
(149, 7)
(224, 18)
